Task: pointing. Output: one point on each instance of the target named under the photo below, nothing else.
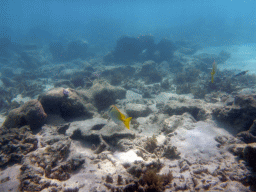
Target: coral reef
(175, 142)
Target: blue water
(101, 23)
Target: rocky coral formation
(142, 48)
(240, 115)
(67, 103)
(194, 107)
(99, 132)
(15, 143)
(137, 110)
(173, 143)
(46, 163)
(75, 49)
(102, 94)
(31, 113)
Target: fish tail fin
(127, 122)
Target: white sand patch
(48, 87)
(127, 157)
(10, 178)
(165, 97)
(160, 139)
(107, 167)
(20, 99)
(198, 142)
(130, 95)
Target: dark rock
(109, 179)
(120, 180)
(250, 155)
(148, 46)
(31, 113)
(149, 72)
(102, 94)
(62, 172)
(195, 108)
(41, 166)
(15, 143)
(205, 61)
(127, 49)
(137, 110)
(252, 129)
(246, 137)
(240, 115)
(170, 152)
(73, 106)
(166, 50)
(136, 169)
(62, 128)
(92, 130)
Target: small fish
(118, 117)
(241, 73)
(214, 68)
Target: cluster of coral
(187, 133)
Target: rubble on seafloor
(174, 147)
(187, 133)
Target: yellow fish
(214, 68)
(118, 117)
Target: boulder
(185, 120)
(240, 115)
(250, 154)
(137, 110)
(67, 103)
(194, 107)
(93, 129)
(149, 73)
(166, 50)
(31, 113)
(102, 94)
(127, 49)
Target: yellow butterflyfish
(118, 117)
(214, 68)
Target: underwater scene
(127, 96)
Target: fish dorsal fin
(121, 114)
(116, 108)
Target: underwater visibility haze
(127, 95)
